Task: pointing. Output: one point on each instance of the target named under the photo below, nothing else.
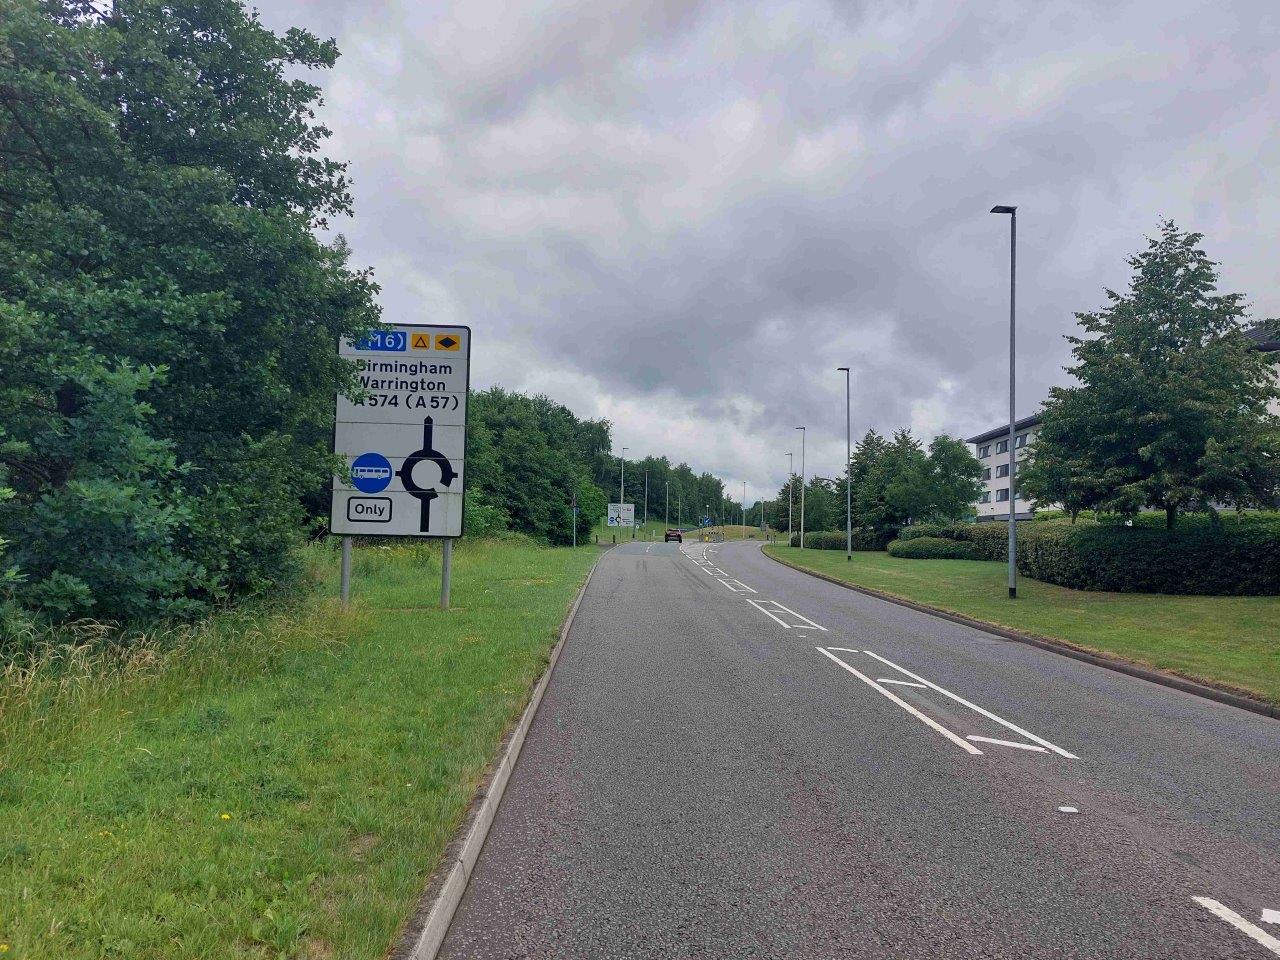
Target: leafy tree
(167, 315)
(1171, 408)
(938, 487)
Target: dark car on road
(674, 534)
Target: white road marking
(977, 709)
(768, 614)
(1270, 916)
(901, 683)
(715, 571)
(740, 588)
(816, 626)
(926, 720)
(1006, 743)
(1257, 934)
(844, 649)
(1068, 810)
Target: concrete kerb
(1171, 680)
(425, 934)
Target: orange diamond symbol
(447, 341)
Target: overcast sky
(684, 216)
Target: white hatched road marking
(974, 707)
(901, 683)
(1005, 743)
(739, 588)
(785, 625)
(1255, 933)
(923, 718)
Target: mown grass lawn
(271, 786)
(1229, 641)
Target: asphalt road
(722, 767)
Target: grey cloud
(684, 213)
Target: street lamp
(802, 431)
(1013, 290)
(744, 509)
(622, 484)
(791, 489)
(848, 486)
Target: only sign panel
(621, 515)
(405, 439)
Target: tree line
(169, 317)
(892, 481)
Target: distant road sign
(405, 437)
(621, 515)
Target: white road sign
(621, 515)
(405, 440)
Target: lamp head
(1003, 209)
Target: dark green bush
(864, 538)
(1196, 557)
(924, 530)
(932, 548)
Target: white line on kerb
(977, 709)
(1257, 934)
(1006, 743)
(784, 623)
(926, 720)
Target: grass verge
(1230, 642)
(270, 785)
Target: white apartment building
(992, 449)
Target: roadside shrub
(932, 548)
(864, 538)
(1196, 557)
(923, 530)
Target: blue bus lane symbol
(371, 473)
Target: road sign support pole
(446, 573)
(345, 579)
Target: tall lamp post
(646, 508)
(667, 508)
(848, 486)
(802, 431)
(1013, 290)
(791, 489)
(744, 509)
(622, 483)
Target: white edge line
(977, 709)
(800, 617)
(1257, 934)
(923, 718)
(1005, 743)
(901, 683)
(767, 613)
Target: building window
(986, 473)
(986, 497)
(984, 452)
(1002, 446)
(1002, 495)
(1002, 470)
(1022, 441)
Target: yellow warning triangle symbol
(420, 341)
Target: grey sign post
(404, 440)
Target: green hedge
(864, 538)
(1238, 556)
(932, 548)
(1197, 558)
